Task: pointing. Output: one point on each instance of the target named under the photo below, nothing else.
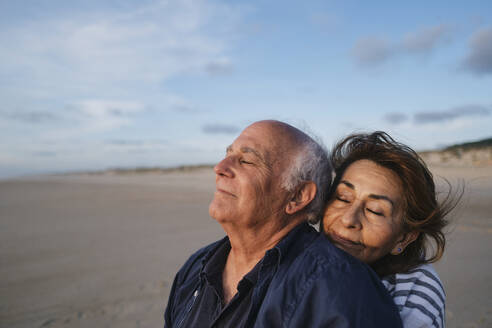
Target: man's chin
(217, 211)
(211, 210)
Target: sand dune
(102, 250)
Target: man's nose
(223, 168)
(351, 218)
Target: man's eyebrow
(254, 152)
(373, 196)
(257, 154)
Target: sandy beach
(102, 250)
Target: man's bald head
(285, 140)
(298, 158)
(290, 135)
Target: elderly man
(273, 269)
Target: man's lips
(345, 243)
(222, 191)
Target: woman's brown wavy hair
(422, 211)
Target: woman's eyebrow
(383, 197)
(373, 196)
(348, 184)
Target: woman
(383, 210)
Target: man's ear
(302, 197)
(404, 241)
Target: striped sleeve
(419, 296)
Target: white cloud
(81, 75)
(106, 114)
(451, 114)
(479, 58)
(104, 108)
(108, 51)
(374, 51)
(426, 39)
(219, 66)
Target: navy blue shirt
(209, 310)
(304, 281)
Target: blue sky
(89, 85)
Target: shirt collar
(217, 259)
(283, 247)
(214, 267)
(214, 261)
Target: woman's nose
(351, 218)
(223, 168)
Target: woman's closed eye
(342, 199)
(376, 212)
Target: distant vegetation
(485, 143)
(476, 153)
(158, 170)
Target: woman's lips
(345, 243)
